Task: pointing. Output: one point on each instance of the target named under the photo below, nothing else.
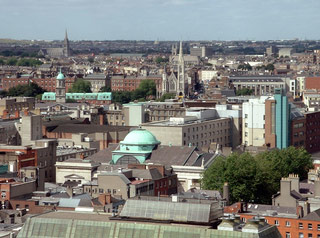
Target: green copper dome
(60, 76)
(140, 137)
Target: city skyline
(165, 20)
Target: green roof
(39, 227)
(140, 137)
(60, 76)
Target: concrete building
(260, 85)
(266, 121)
(75, 170)
(97, 81)
(136, 112)
(66, 152)
(30, 129)
(282, 115)
(286, 52)
(253, 122)
(12, 107)
(300, 81)
(201, 52)
(207, 75)
(117, 115)
(159, 111)
(198, 128)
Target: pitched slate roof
(314, 216)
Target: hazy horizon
(166, 20)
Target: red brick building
(48, 84)
(298, 132)
(131, 83)
(289, 225)
(312, 131)
(312, 83)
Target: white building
(253, 124)
(207, 75)
(75, 170)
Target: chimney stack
(226, 195)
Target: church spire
(67, 51)
(66, 36)
(181, 52)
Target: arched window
(128, 159)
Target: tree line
(256, 178)
(20, 62)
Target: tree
(256, 178)
(146, 89)
(160, 60)
(12, 61)
(245, 67)
(26, 90)
(28, 62)
(121, 97)
(2, 62)
(269, 67)
(244, 91)
(3, 93)
(80, 86)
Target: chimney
(226, 192)
(285, 186)
(294, 182)
(101, 120)
(306, 208)
(300, 211)
(103, 199)
(108, 198)
(25, 112)
(317, 187)
(82, 156)
(69, 191)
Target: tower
(60, 88)
(66, 46)
(181, 85)
(174, 50)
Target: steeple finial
(66, 35)
(181, 52)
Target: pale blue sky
(160, 19)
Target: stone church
(177, 80)
(63, 52)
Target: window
(101, 190)
(246, 134)
(301, 235)
(300, 225)
(245, 115)
(318, 227)
(288, 223)
(276, 222)
(309, 226)
(27, 207)
(245, 125)
(288, 235)
(114, 191)
(309, 235)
